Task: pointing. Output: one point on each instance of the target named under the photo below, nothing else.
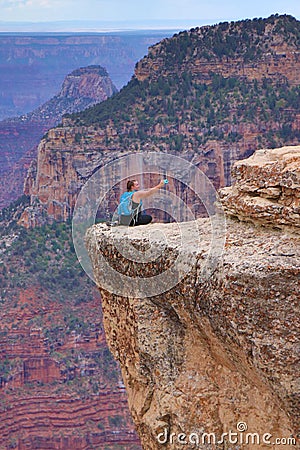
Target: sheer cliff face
(205, 356)
(215, 354)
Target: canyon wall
(33, 67)
(281, 58)
(199, 94)
(218, 352)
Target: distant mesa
(19, 137)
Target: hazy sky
(199, 11)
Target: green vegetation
(5, 367)
(8, 367)
(98, 69)
(57, 298)
(46, 256)
(176, 106)
(116, 421)
(245, 39)
(11, 214)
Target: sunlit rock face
(267, 188)
(213, 351)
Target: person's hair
(130, 183)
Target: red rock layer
(55, 391)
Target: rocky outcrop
(266, 188)
(217, 353)
(208, 355)
(91, 82)
(81, 88)
(33, 66)
(19, 137)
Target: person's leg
(143, 219)
(125, 220)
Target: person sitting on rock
(131, 203)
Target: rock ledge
(210, 352)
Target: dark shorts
(142, 219)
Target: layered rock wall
(283, 61)
(54, 391)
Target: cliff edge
(212, 362)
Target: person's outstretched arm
(140, 195)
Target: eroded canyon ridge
(20, 136)
(33, 66)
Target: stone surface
(214, 350)
(266, 188)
